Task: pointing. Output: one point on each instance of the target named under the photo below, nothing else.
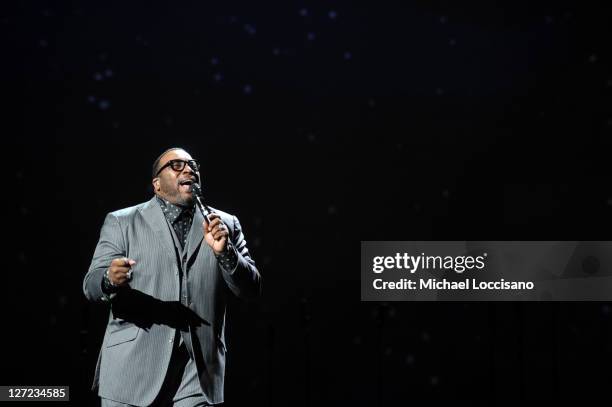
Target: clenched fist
(119, 272)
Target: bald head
(158, 162)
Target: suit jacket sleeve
(244, 279)
(110, 246)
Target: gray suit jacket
(145, 316)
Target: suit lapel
(154, 216)
(196, 234)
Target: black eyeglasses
(179, 165)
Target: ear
(155, 183)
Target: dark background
(319, 124)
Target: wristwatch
(107, 284)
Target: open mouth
(186, 184)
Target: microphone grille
(197, 189)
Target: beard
(174, 195)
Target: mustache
(195, 179)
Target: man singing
(166, 272)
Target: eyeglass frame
(193, 164)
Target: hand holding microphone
(215, 231)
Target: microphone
(196, 190)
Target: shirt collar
(172, 211)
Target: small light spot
(250, 29)
(103, 104)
